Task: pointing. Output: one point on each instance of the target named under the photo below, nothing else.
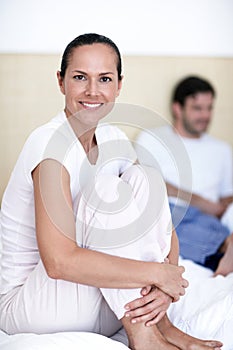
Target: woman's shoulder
(50, 140)
(48, 128)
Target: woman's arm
(173, 255)
(63, 259)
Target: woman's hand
(150, 308)
(169, 279)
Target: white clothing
(201, 166)
(55, 140)
(206, 160)
(139, 216)
(227, 218)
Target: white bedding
(206, 311)
(59, 341)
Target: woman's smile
(91, 105)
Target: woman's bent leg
(127, 217)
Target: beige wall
(29, 95)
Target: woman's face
(90, 84)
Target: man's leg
(200, 235)
(225, 265)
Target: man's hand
(214, 208)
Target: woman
(76, 252)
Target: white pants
(127, 216)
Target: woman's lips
(91, 105)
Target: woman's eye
(105, 79)
(79, 77)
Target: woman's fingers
(146, 290)
(137, 303)
(144, 310)
(150, 308)
(150, 318)
(172, 282)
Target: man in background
(198, 172)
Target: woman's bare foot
(184, 341)
(225, 265)
(145, 338)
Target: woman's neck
(88, 140)
(86, 136)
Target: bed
(59, 341)
(206, 311)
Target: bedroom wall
(29, 95)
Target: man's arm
(226, 201)
(206, 206)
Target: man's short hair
(191, 86)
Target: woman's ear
(119, 86)
(60, 82)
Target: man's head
(192, 104)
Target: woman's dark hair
(191, 86)
(89, 39)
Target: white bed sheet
(59, 341)
(206, 310)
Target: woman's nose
(92, 88)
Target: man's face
(195, 115)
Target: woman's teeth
(91, 105)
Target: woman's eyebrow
(82, 72)
(105, 73)
(78, 71)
